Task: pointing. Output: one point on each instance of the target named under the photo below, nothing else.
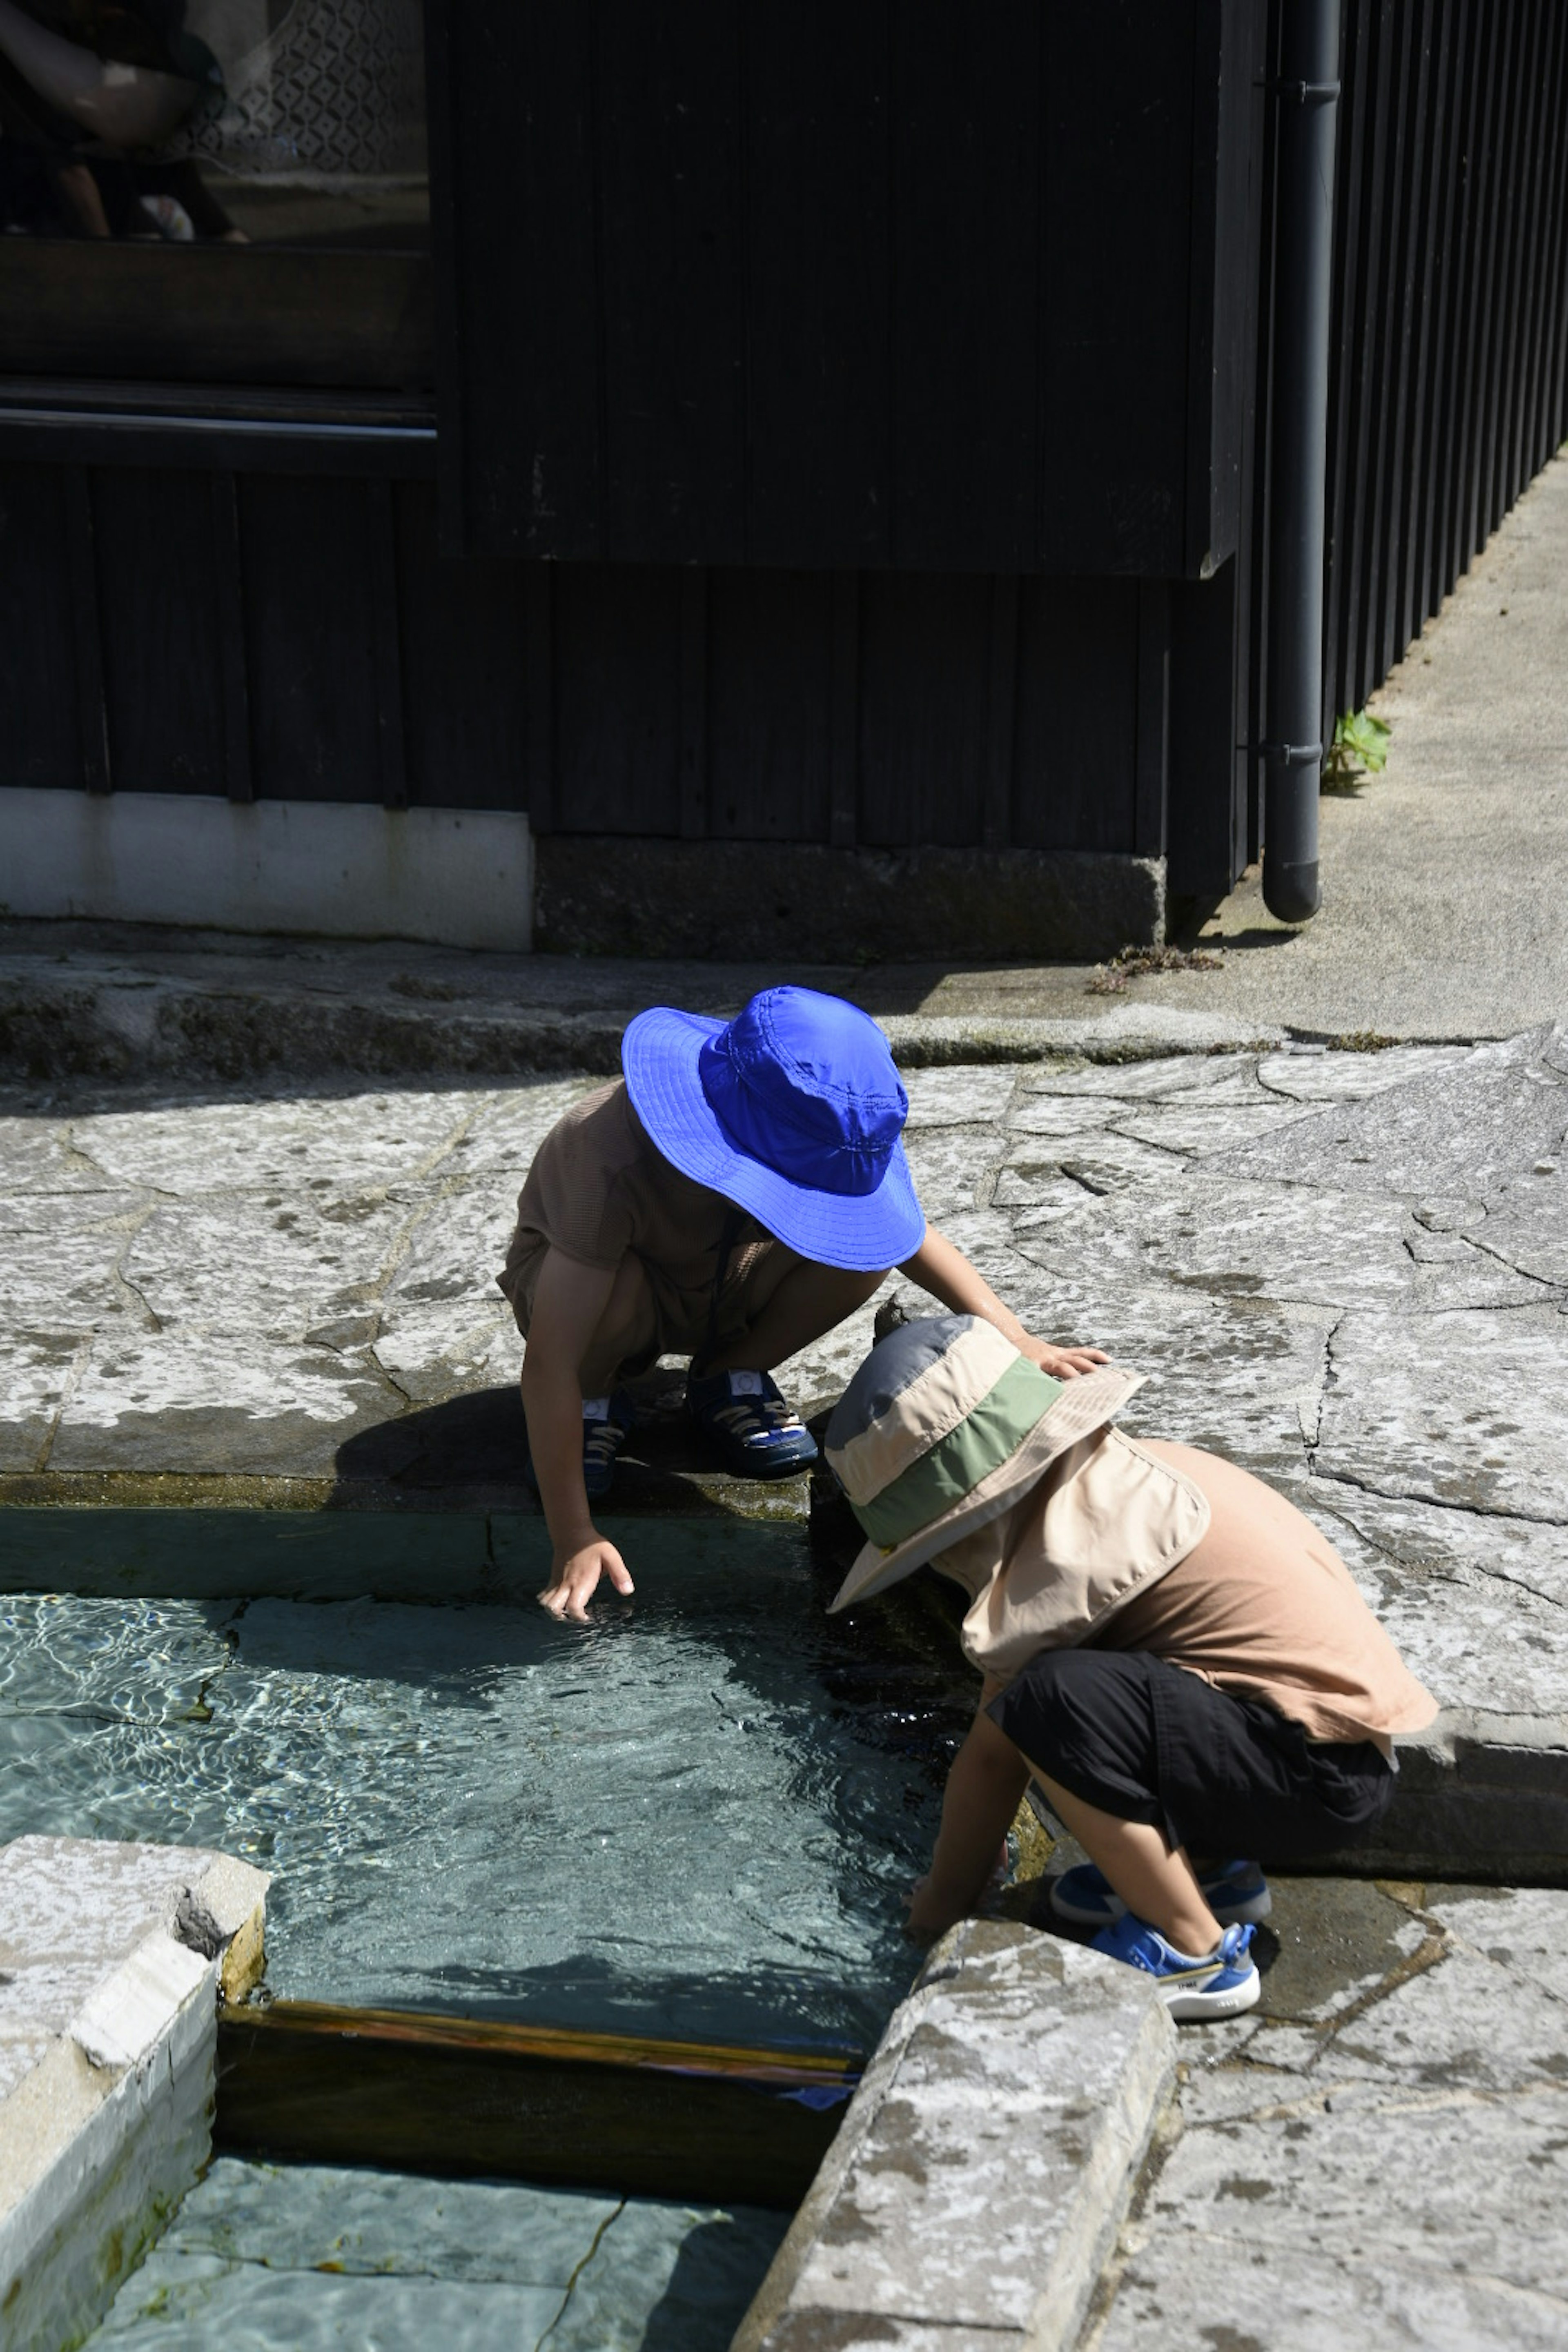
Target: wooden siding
(900, 286)
(298, 636)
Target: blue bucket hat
(793, 1110)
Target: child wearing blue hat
(737, 1193)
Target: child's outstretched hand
(1062, 1363)
(575, 1576)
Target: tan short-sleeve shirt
(599, 1188)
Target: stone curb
(74, 1019)
(111, 1956)
(982, 2170)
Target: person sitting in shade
(1171, 1649)
(736, 1195)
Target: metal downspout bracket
(1307, 95)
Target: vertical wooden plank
(515, 213)
(310, 621)
(1494, 496)
(92, 716)
(1489, 206)
(925, 675)
(1511, 475)
(996, 821)
(1117, 111)
(1353, 554)
(1413, 100)
(1346, 364)
(538, 623)
(769, 704)
(965, 177)
(1153, 751)
(1433, 358)
(694, 703)
(1546, 428)
(617, 699)
(1480, 29)
(42, 733)
(1075, 779)
(669, 176)
(1382, 330)
(380, 546)
(844, 781)
(442, 86)
(158, 624)
(817, 273)
(464, 657)
(228, 599)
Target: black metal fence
(1448, 389)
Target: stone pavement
(1348, 1269)
(1379, 2155)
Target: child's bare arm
(943, 1270)
(569, 1302)
(984, 1788)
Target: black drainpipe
(1306, 95)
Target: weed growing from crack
(1131, 963)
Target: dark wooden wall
(263, 634)
(803, 286)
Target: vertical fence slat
(1430, 285)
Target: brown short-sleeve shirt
(1265, 1607)
(599, 1188)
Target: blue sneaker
(607, 1422)
(1235, 1892)
(1222, 1984)
(744, 1416)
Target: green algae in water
(306, 2255)
(695, 1816)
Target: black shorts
(1223, 1776)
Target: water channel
(694, 1817)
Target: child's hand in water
(928, 1917)
(1061, 1363)
(574, 1575)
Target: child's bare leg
(1157, 1884)
(627, 1329)
(809, 1300)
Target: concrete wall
(329, 868)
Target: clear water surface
(695, 1816)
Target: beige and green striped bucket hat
(942, 1428)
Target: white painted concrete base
(110, 1960)
(335, 869)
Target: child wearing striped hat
(1175, 1655)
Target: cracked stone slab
(457, 1243)
(278, 1265)
(1312, 1074)
(174, 1401)
(1469, 1129)
(966, 1096)
(1209, 1233)
(1391, 2168)
(951, 1167)
(1138, 1079)
(37, 1156)
(37, 1371)
(505, 1127)
(976, 2180)
(1464, 1409)
(61, 1260)
(339, 1142)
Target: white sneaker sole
(1191, 2005)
